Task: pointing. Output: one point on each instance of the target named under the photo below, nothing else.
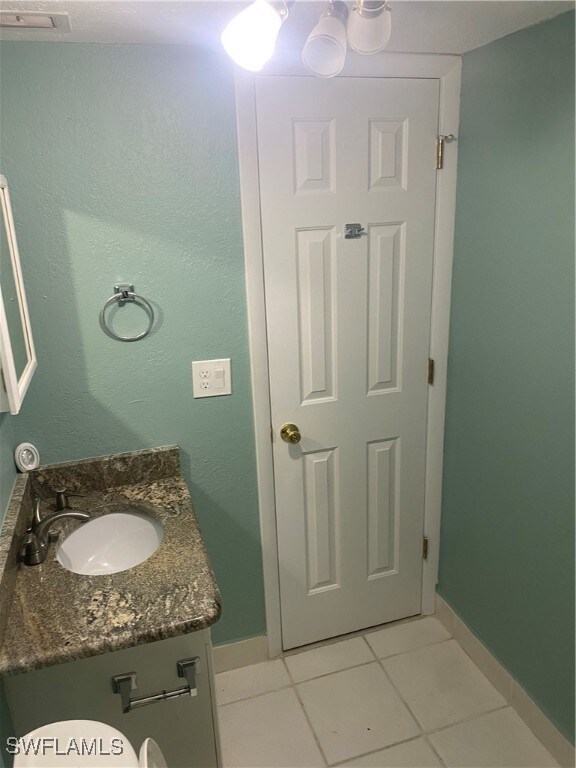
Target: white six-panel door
(348, 337)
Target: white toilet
(84, 744)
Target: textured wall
(507, 558)
(7, 466)
(122, 166)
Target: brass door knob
(290, 433)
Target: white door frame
(446, 69)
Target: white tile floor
(406, 696)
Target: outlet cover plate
(211, 378)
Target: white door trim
(447, 69)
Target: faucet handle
(62, 496)
(61, 499)
(53, 536)
(37, 516)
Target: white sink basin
(110, 543)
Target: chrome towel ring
(125, 292)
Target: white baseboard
(234, 655)
(558, 746)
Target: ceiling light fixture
(324, 52)
(250, 37)
(369, 26)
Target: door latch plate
(353, 231)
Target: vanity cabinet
(184, 727)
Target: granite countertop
(56, 616)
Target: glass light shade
(324, 53)
(369, 32)
(250, 37)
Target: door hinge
(430, 371)
(425, 548)
(440, 141)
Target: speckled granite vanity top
(49, 615)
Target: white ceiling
(418, 26)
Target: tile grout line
(379, 661)
(252, 696)
(334, 672)
(369, 647)
(388, 746)
(352, 635)
(319, 646)
(292, 681)
(362, 754)
(303, 708)
(361, 633)
(469, 719)
(433, 749)
(401, 697)
(375, 751)
(431, 731)
(423, 733)
(412, 650)
(426, 733)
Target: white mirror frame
(13, 390)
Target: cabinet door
(185, 727)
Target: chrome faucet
(37, 538)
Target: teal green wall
(507, 557)
(122, 165)
(7, 466)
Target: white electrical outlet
(211, 378)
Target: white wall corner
(445, 614)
